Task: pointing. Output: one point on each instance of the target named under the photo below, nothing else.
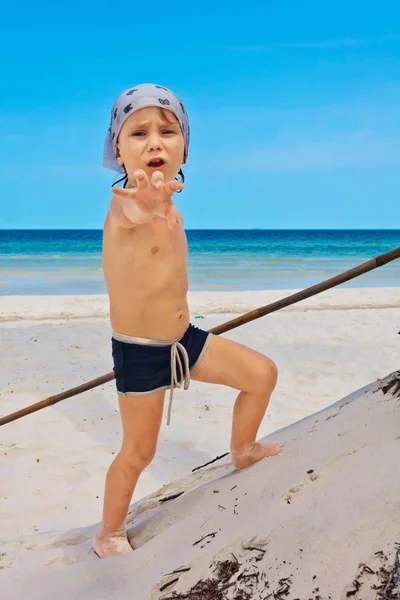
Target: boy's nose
(154, 142)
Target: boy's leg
(255, 375)
(141, 420)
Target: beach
(280, 128)
(53, 463)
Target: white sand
(53, 463)
(73, 307)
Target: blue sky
(294, 109)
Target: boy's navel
(154, 249)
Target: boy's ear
(118, 156)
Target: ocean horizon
(68, 261)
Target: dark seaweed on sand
(387, 584)
(391, 384)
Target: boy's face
(151, 139)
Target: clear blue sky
(294, 108)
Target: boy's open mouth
(156, 163)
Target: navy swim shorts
(144, 366)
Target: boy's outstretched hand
(149, 198)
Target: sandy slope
(300, 523)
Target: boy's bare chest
(157, 241)
(145, 247)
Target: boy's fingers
(157, 179)
(130, 194)
(141, 181)
(173, 186)
(141, 178)
(122, 192)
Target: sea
(38, 262)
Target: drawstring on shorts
(178, 352)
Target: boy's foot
(254, 453)
(107, 543)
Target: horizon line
(215, 229)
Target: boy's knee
(138, 458)
(267, 375)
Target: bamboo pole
(370, 265)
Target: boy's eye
(168, 131)
(138, 133)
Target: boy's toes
(267, 450)
(255, 453)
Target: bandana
(141, 96)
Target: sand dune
(321, 520)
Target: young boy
(154, 345)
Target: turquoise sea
(69, 261)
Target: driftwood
(370, 265)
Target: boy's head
(148, 122)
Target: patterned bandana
(141, 96)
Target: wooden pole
(370, 265)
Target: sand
(53, 463)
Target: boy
(154, 345)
